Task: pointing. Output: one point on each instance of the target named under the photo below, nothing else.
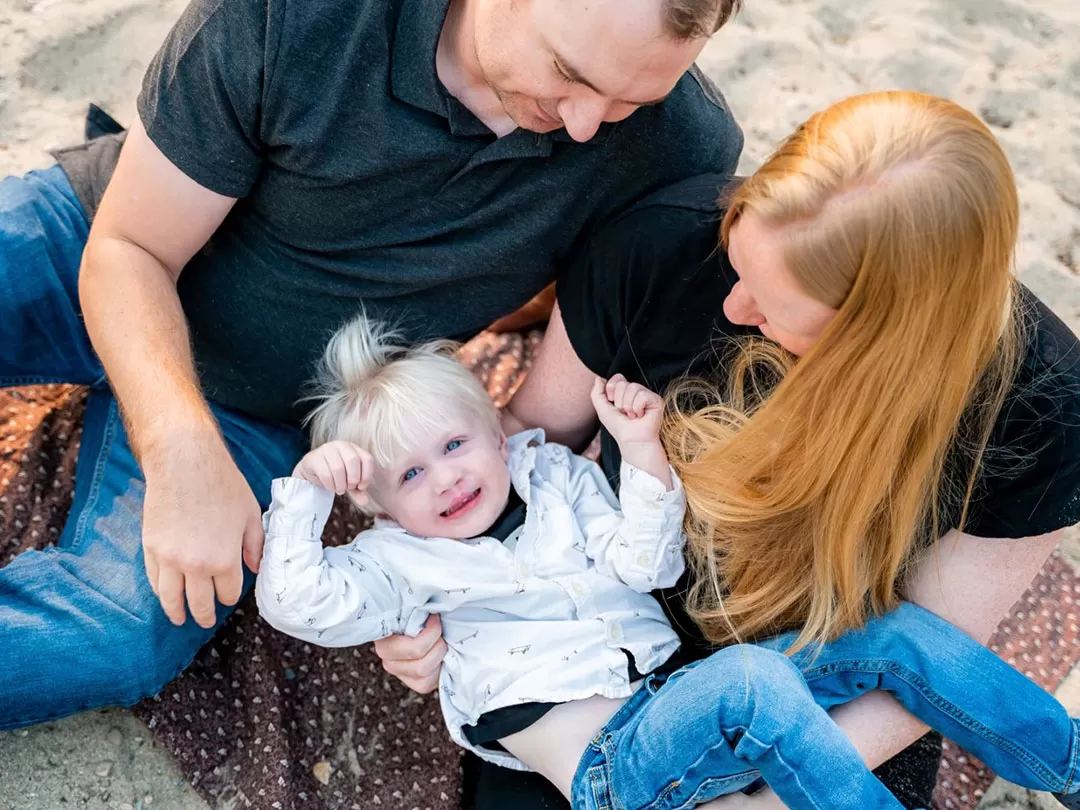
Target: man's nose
(582, 115)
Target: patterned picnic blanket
(261, 720)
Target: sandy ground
(1016, 63)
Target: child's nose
(446, 477)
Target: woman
(909, 427)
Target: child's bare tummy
(553, 745)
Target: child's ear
(504, 446)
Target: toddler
(556, 650)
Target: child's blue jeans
(79, 624)
(715, 726)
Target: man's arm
(972, 582)
(198, 511)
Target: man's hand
(199, 518)
(415, 662)
(341, 467)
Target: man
(437, 160)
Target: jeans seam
(913, 680)
(608, 753)
(109, 435)
(1073, 754)
(795, 773)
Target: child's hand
(629, 411)
(339, 467)
(632, 414)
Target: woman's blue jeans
(718, 724)
(79, 625)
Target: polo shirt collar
(413, 77)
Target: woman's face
(767, 295)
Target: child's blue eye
(453, 445)
(410, 474)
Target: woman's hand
(415, 661)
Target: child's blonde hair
(377, 392)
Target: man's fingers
(171, 594)
(410, 648)
(422, 670)
(200, 597)
(424, 686)
(150, 562)
(229, 587)
(415, 661)
(253, 546)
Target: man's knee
(69, 647)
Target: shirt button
(523, 570)
(579, 589)
(614, 633)
(643, 559)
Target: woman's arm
(970, 581)
(555, 393)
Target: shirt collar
(413, 78)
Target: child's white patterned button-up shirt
(544, 617)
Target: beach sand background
(1015, 63)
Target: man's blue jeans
(715, 726)
(79, 625)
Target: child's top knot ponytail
(373, 389)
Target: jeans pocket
(599, 787)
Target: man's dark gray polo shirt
(361, 181)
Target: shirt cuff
(649, 488)
(298, 504)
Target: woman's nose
(740, 307)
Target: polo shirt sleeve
(202, 94)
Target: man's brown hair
(692, 19)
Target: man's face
(575, 64)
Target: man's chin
(537, 125)
(532, 122)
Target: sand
(1015, 63)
